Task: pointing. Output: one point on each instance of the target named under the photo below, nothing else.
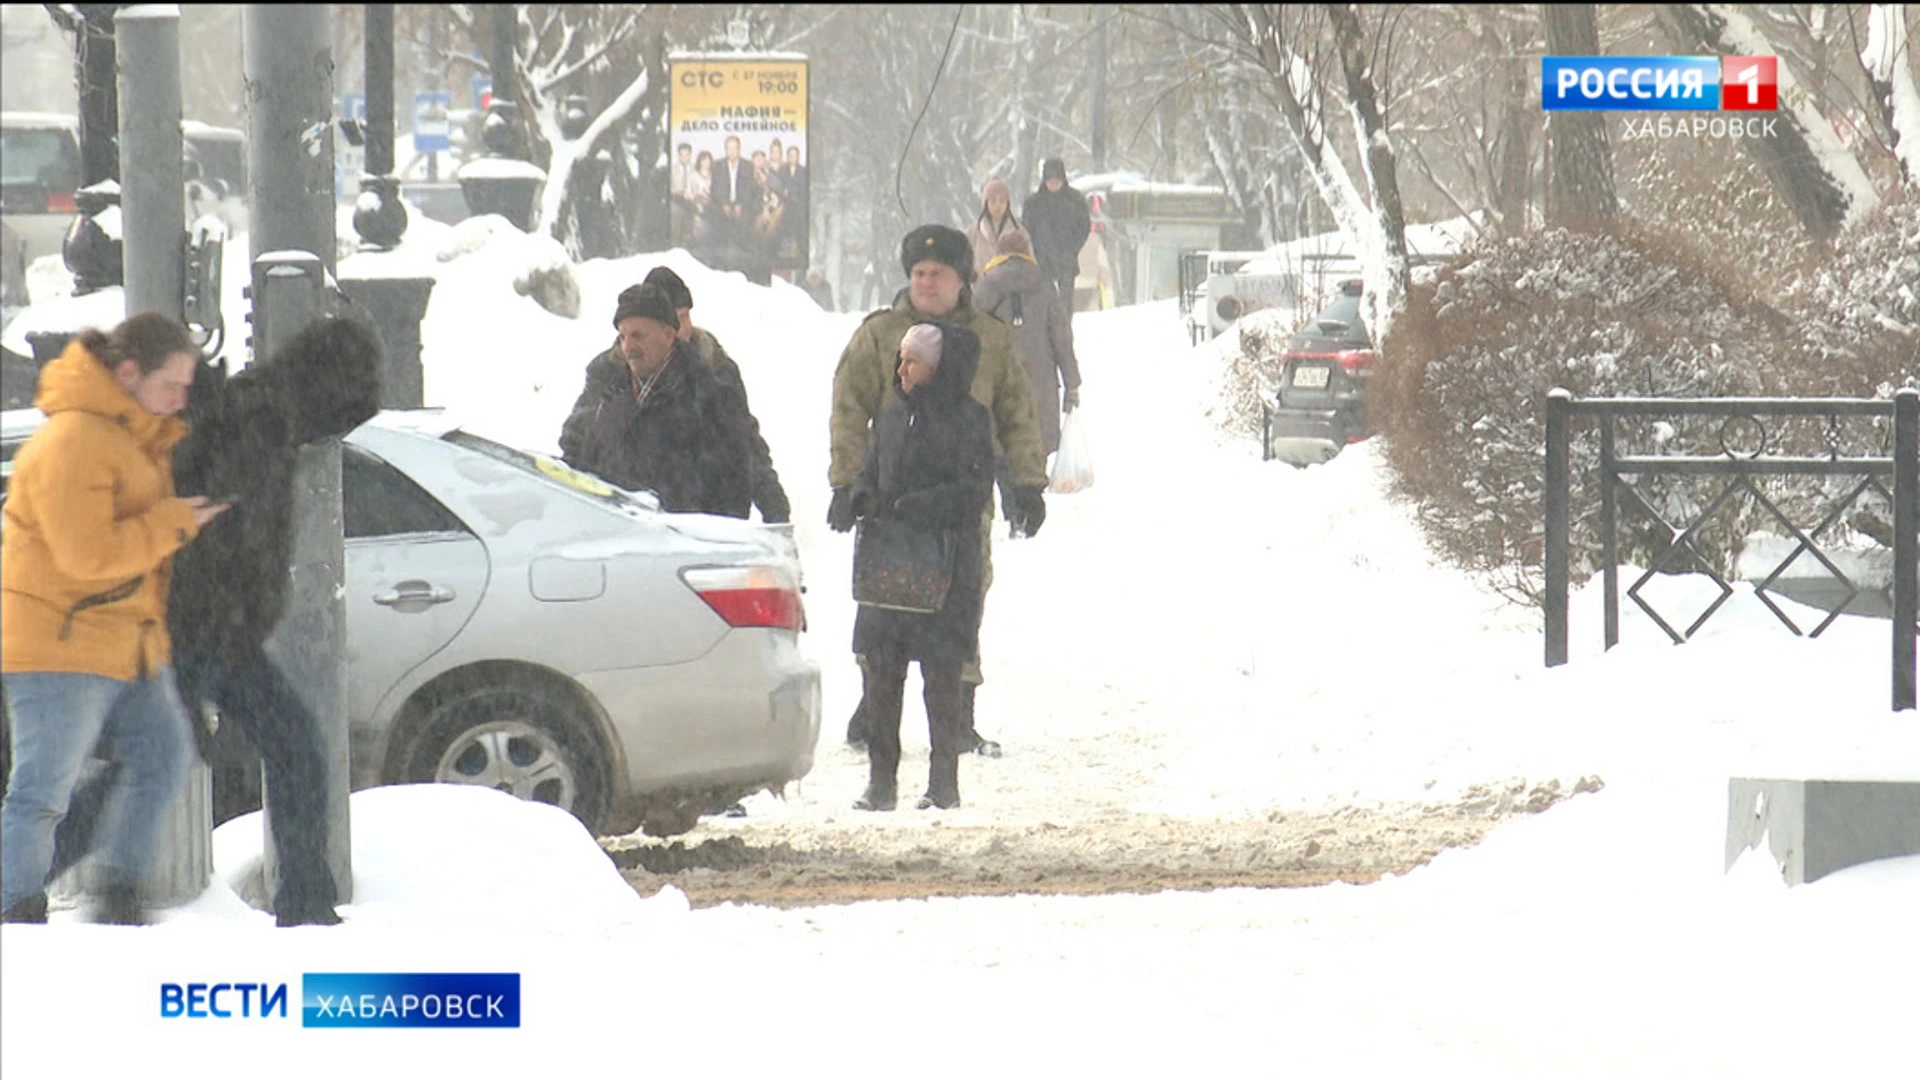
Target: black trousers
(254, 695)
(886, 684)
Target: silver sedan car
(514, 623)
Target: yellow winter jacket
(90, 528)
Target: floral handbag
(900, 566)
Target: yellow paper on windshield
(572, 477)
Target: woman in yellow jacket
(90, 528)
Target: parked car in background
(1322, 406)
(513, 623)
(39, 170)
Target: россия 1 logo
(1662, 83)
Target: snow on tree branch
(1889, 63)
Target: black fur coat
(230, 584)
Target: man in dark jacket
(662, 422)
(1057, 219)
(768, 496)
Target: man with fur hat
(938, 261)
(1059, 223)
(662, 421)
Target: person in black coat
(662, 422)
(929, 463)
(231, 589)
(1057, 219)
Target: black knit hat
(1051, 168)
(670, 283)
(941, 243)
(646, 301)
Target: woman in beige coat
(996, 220)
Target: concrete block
(1814, 827)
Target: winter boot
(970, 738)
(31, 910)
(120, 905)
(882, 794)
(943, 783)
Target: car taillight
(748, 596)
(59, 202)
(1356, 361)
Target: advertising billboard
(739, 160)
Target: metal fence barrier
(1894, 475)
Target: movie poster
(738, 165)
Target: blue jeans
(57, 719)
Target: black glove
(1029, 510)
(840, 515)
(1070, 400)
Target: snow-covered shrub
(1251, 378)
(1461, 390)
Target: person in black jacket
(662, 421)
(231, 588)
(1057, 218)
(768, 496)
(929, 463)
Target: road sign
(432, 122)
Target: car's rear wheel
(532, 742)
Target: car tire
(531, 741)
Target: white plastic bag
(1073, 464)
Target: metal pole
(379, 89)
(99, 106)
(310, 645)
(153, 193)
(379, 216)
(1609, 532)
(289, 70)
(505, 22)
(289, 76)
(1906, 542)
(1559, 406)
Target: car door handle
(414, 592)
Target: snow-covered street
(1200, 642)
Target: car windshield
(39, 156)
(1345, 310)
(559, 473)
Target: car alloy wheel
(529, 741)
(513, 757)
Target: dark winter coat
(690, 443)
(930, 463)
(768, 496)
(230, 585)
(1014, 291)
(862, 380)
(1059, 223)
